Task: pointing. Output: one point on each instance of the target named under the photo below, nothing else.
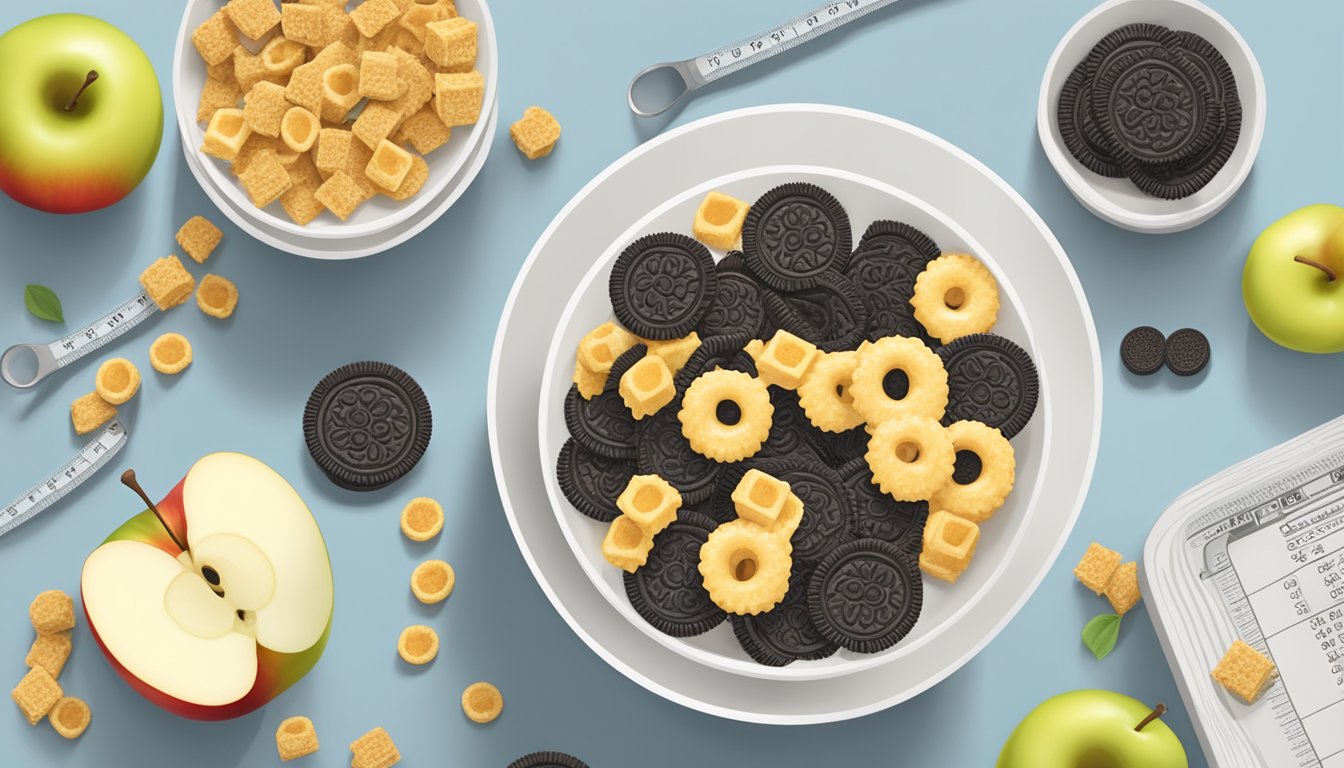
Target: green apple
(1093, 729)
(82, 115)
(1293, 283)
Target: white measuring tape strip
(91, 458)
(63, 351)
(814, 23)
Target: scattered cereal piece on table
(50, 652)
(421, 519)
(458, 97)
(253, 18)
(117, 380)
(199, 238)
(36, 694)
(1123, 588)
(215, 38)
(70, 717)
(217, 296)
(482, 702)
(1097, 567)
(91, 412)
(432, 581)
(418, 644)
(719, 219)
(296, 737)
(167, 282)
(52, 611)
(375, 749)
(170, 353)
(1244, 672)
(536, 133)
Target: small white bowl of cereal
(374, 112)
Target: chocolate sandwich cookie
(591, 482)
(882, 269)
(794, 233)
(790, 430)
(866, 595)
(830, 314)
(548, 760)
(828, 519)
(602, 423)
(839, 448)
(665, 452)
(1154, 110)
(662, 284)
(668, 590)
(1143, 350)
(737, 307)
(991, 380)
(967, 468)
(624, 363)
(880, 516)
(713, 353)
(784, 634)
(366, 425)
(1187, 352)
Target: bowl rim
(1085, 190)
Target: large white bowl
(1118, 200)
(866, 200)
(375, 216)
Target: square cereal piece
(458, 97)
(1123, 588)
(223, 71)
(650, 502)
(785, 360)
(300, 200)
(356, 162)
(378, 76)
(50, 652)
(420, 15)
(375, 123)
(265, 178)
(91, 412)
(415, 179)
(590, 384)
(1097, 567)
(296, 737)
(36, 694)
(419, 84)
(451, 42)
(718, 221)
(626, 544)
(253, 18)
(266, 107)
(248, 70)
(167, 282)
(337, 27)
(759, 498)
(303, 23)
(333, 146)
(52, 611)
(424, 131)
(334, 54)
(216, 95)
(948, 545)
(600, 347)
(536, 133)
(255, 145)
(371, 16)
(304, 88)
(388, 166)
(340, 194)
(198, 237)
(675, 352)
(1244, 672)
(281, 55)
(646, 387)
(375, 748)
(790, 517)
(216, 38)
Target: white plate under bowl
(866, 200)
(377, 215)
(1118, 200)
(926, 167)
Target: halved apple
(217, 630)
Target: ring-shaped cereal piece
(719, 431)
(418, 644)
(432, 581)
(978, 499)
(911, 458)
(745, 567)
(482, 702)
(824, 393)
(117, 380)
(217, 296)
(955, 296)
(421, 519)
(926, 381)
(170, 353)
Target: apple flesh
(1092, 729)
(1293, 282)
(219, 629)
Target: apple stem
(128, 480)
(1156, 713)
(74, 100)
(1329, 271)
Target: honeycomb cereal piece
(333, 146)
(1123, 588)
(226, 133)
(266, 107)
(170, 353)
(338, 27)
(419, 16)
(50, 652)
(252, 148)
(419, 84)
(248, 70)
(117, 380)
(745, 567)
(432, 581)
(52, 611)
(375, 749)
(302, 23)
(36, 694)
(253, 18)
(424, 131)
(482, 702)
(536, 133)
(333, 55)
(299, 129)
(647, 386)
(719, 219)
(600, 347)
(824, 392)
(217, 296)
(926, 391)
(458, 97)
(388, 166)
(451, 42)
(404, 40)
(299, 201)
(415, 179)
(217, 95)
(265, 178)
(304, 88)
(760, 498)
(378, 76)
(980, 498)
(650, 502)
(198, 237)
(375, 123)
(215, 38)
(340, 92)
(90, 412)
(340, 194)
(371, 16)
(418, 644)
(1097, 567)
(626, 544)
(785, 359)
(356, 161)
(955, 296)
(726, 434)
(221, 72)
(296, 737)
(167, 282)
(281, 55)
(948, 545)
(590, 383)
(70, 717)
(911, 458)
(421, 519)
(1244, 672)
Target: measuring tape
(56, 355)
(814, 23)
(91, 458)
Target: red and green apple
(1293, 283)
(1093, 729)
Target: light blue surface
(967, 70)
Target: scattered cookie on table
(548, 760)
(482, 702)
(1143, 350)
(1244, 672)
(170, 353)
(536, 133)
(296, 737)
(432, 581)
(117, 380)
(1187, 352)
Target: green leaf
(1100, 634)
(43, 303)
